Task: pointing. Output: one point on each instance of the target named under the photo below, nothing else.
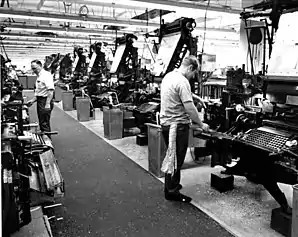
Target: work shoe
(177, 196)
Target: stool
(142, 140)
(281, 222)
(222, 182)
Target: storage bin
(23, 80)
(156, 149)
(83, 109)
(58, 93)
(31, 81)
(112, 123)
(67, 101)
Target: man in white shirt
(44, 93)
(177, 108)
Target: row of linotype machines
(30, 175)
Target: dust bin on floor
(58, 93)
(31, 81)
(67, 101)
(156, 149)
(112, 123)
(83, 108)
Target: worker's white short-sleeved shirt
(44, 82)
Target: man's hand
(205, 127)
(47, 106)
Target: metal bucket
(67, 101)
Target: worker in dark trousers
(44, 93)
(176, 113)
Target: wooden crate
(53, 178)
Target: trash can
(295, 211)
(24, 81)
(67, 101)
(112, 123)
(31, 82)
(83, 109)
(58, 93)
(156, 149)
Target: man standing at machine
(44, 92)
(177, 110)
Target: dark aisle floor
(109, 195)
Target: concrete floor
(244, 211)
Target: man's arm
(49, 98)
(187, 100)
(199, 99)
(191, 109)
(49, 82)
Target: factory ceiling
(44, 23)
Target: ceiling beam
(24, 45)
(85, 31)
(103, 4)
(44, 15)
(91, 32)
(59, 37)
(72, 43)
(175, 5)
(15, 48)
(76, 42)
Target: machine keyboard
(264, 139)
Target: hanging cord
(149, 50)
(147, 22)
(205, 25)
